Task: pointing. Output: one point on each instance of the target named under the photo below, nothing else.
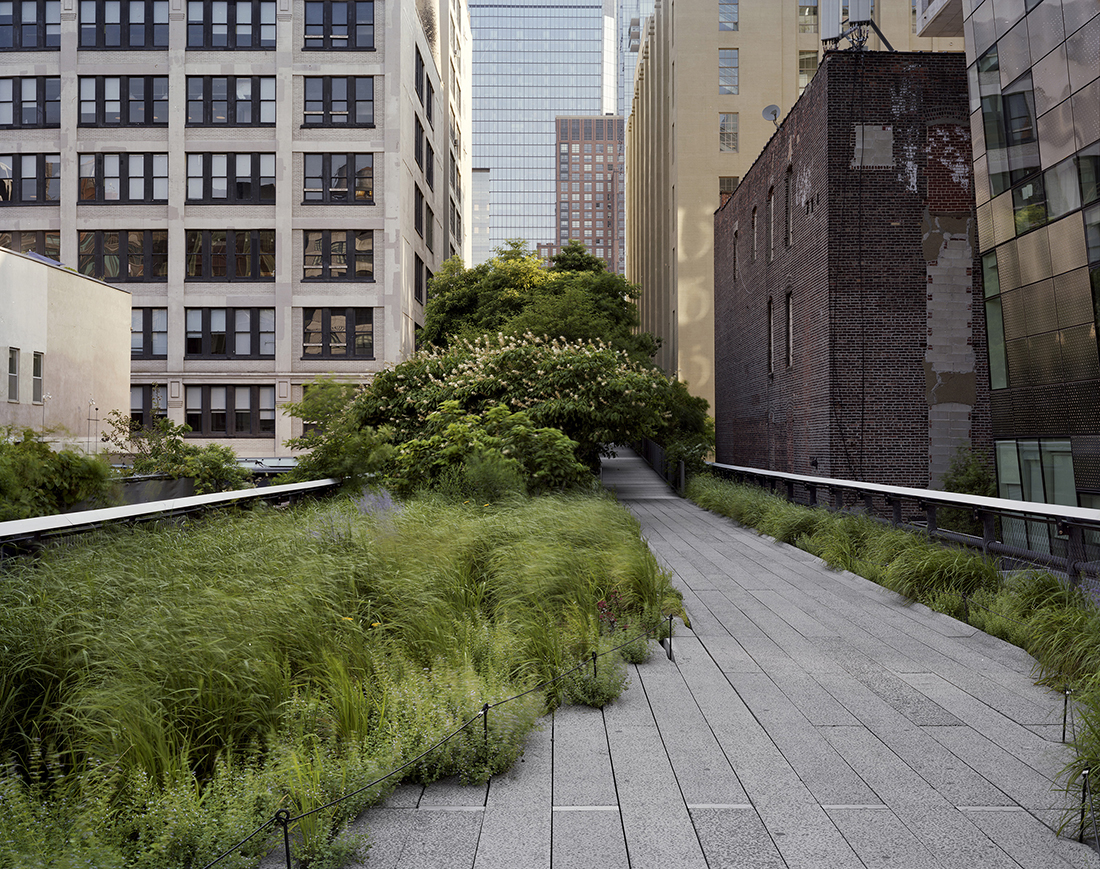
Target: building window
(340, 25)
(429, 229)
(124, 255)
(726, 185)
(230, 333)
(234, 101)
(727, 70)
(419, 76)
(42, 242)
(429, 102)
(222, 24)
(753, 250)
(727, 131)
(788, 350)
(770, 350)
(418, 212)
(147, 404)
(788, 214)
(134, 100)
(727, 14)
(770, 228)
(13, 374)
(418, 142)
(807, 16)
(222, 179)
(329, 176)
(136, 178)
(338, 255)
(338, 333)
(339, 100)
(124, 24)
(230, 411)
(429, 167)
(418, 279)
(37, 362)
(30, 179)
(230, 254)
(32, 101)
(148, 333)
(27, 25)
(807, 66)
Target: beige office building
(705, 74)
(273, 181)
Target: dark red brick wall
(853, 398)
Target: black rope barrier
(283, 818)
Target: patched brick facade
(849, 341)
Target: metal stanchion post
(1084, 795)
(282, 818)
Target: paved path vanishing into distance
(809, 719)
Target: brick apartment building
(847, 341)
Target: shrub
(37, 481)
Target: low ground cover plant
(1034, 609)
(164, 691)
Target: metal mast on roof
(856, 29)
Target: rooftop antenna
(856, 29)
(771, 113)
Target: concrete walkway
(809, 719)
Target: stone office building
(274, 182)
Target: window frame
(326, 178)
(151, 409)
(41, 239)
(203, 27)
(727, 15)
(256, 177)
(326, 253)
(41, 179)
(148, 318)
(150, 256)
(729, 73)
(206, 411)
(47, 33)
(13, 374)
(206, 334)
(256, 101)
(150, 180)
(725, 135)
(257, 248)
(148, 101)
(325, 117)
(38, 363)
(325, 344)
(325, 41)
(94, 36)
(45, 104)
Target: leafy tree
(967, 474)
(595, 394)
(577, 299)
(160, 448)
(37, 481)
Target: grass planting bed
(163, 691)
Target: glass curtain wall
(533, 62)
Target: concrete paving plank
(450, 792)
(735, 839)
(881, 839)
(582, 763)
(1027, 841)
(587, 838)
(418, 839)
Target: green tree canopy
(576, 299)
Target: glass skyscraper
(631, 26)
(532, 63)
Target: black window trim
(256, 101)
(15, 188)
(230, 333)
(39, 245)
(255, 179)
(149, 178)
(42, 104)
(41, 24)
(146, 351)
(147, 408)
(98, 29)
(97, 256)
(206, 431)
(206, 25)
(206, 255)
(325, 116)
(326, 189)
(325, 41)
(327, 254)
(148, 99)
(351, 323)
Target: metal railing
(1063, 538)
(22, 533)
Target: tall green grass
(164, 690)
(1034, 609)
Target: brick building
(847, 342)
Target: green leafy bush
(35, 480)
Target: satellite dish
(771, 113)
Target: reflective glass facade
(1034, 82)
(632, 23)
(532, 63)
